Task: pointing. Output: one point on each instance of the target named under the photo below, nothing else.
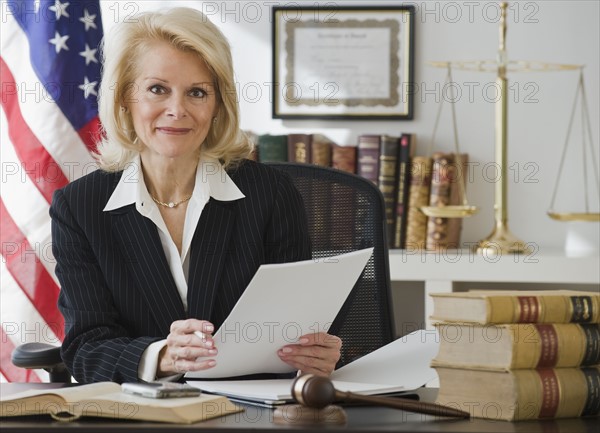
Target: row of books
(517, 355)
(407, 182)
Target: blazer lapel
(209, 246)
(145, 256)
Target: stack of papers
(282, 303)
(285, 301)
(399, 366)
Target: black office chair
(345, 213)
(42, 356)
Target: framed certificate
(343, 62)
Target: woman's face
(172, 103)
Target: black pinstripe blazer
(117, 291)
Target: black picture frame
(343, 62)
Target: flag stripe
(40, 166)
(90, 134)
(33, 219)
(31, 276)
(20, 319)
(21, 322)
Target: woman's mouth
(173, 131)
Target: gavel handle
(403, 404)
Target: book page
(138, 401)
(69, 394)
(281, 303)
(404, 362)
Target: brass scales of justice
(501, 240)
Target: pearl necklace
(170, 204)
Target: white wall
(549, 31)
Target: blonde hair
(185, 29)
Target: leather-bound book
(344, 158)
(521, 394)
(368, 157)
(321, 150)
(272, 148)
(444, 233)
(309, 149)
(405, 155)
(388, 181)
(299, 148)
(517, 306)
(439, 196)
(456, 198)
(517, 345)
(418, 196)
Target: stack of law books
(516, 355)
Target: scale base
(502, 241)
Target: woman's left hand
(315, 353)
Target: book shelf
(459, 270)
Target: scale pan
(461, 211)
(575, 216)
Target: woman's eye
(197, 93)
(157, 89)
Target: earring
(214, 120)
(123, 109)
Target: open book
(401, 365)
(105, 399)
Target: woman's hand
(189, 348)
(315, 353)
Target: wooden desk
(360, 419)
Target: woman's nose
(176, 107)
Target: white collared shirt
(211, 181)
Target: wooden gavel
(318, 392)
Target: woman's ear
(215, 115)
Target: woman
(155, 249)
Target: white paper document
(401, 365)
(281, 303)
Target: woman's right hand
(190, 347)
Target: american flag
(50, 75)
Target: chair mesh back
(346, 213)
